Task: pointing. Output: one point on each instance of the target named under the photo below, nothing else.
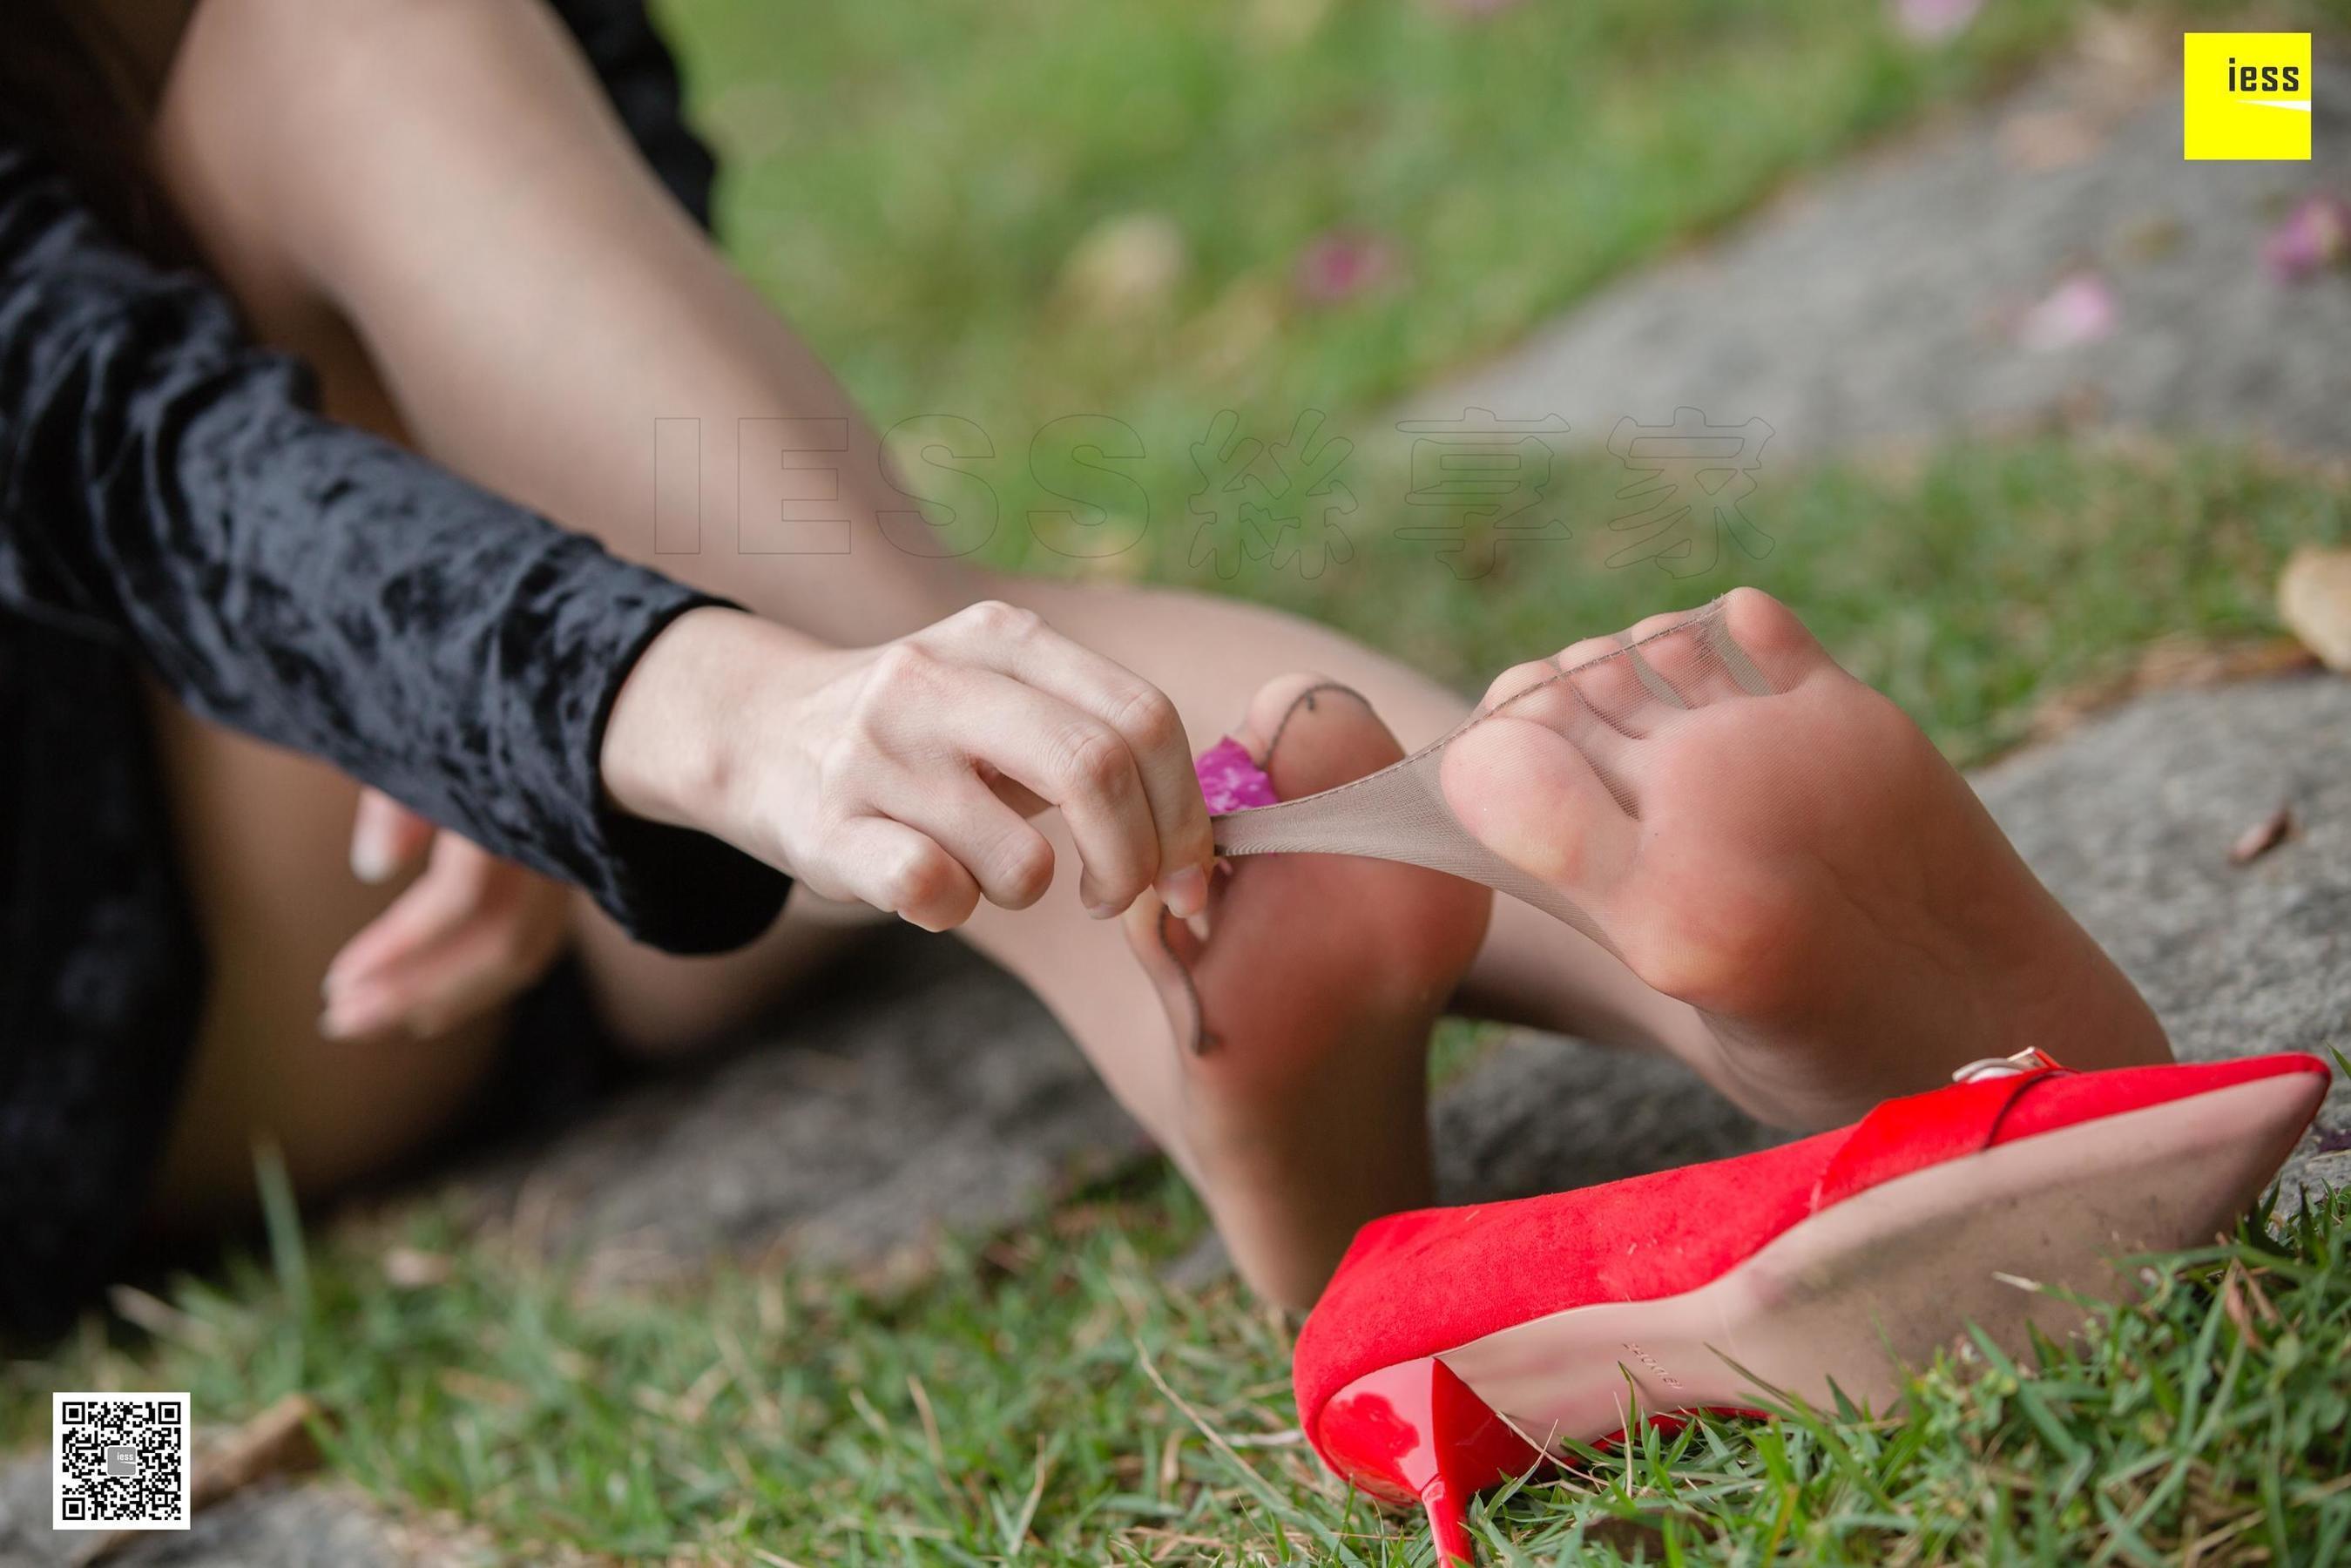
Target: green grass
(910, 180)
(1972, 586)
(1045, 1400)
(909, 183)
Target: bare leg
(430, 201)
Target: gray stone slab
(272, 1525)
(1545, 1113)
(926, 1092)
(1882, 300)
(2130, 821)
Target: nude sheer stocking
(1602, 706)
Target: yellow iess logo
(2248, 95)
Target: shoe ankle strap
(2031, 1059)
(1921, 1130)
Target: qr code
(121, 1462)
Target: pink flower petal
(1933, 21)
(1231, 779)
(2314, 236)
(1341, 265)
(2081, 309)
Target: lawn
(1046, 1400)
(1017, 212)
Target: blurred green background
(1014, 213)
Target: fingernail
(372, 851)
(351, 1015)
(1185, 894)
(342, 979)
(1101, 910)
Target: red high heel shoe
(1455, 1346)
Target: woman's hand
(902, 775)
(469, 933)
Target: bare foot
(1302, 1011)
(1800, 865)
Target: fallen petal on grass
(1934, 21)
(1343, 265)
(2081, 309)
(278, 1442)
(2262, 837)
(2315, 237)
(414, 1268)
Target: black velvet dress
(171, 504)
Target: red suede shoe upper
(1423, 1282)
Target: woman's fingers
(1017, 643)
(1065, 756)
(1006, 856)
(471, 930)
(451, 888)
(901, 776)
(892, 866)
(386, 837)
(474, 967)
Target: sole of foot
(1798, 863)
(1300, 1005)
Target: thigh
(657, 1004)
(1210, 654)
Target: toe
(1684, 647)
(1526, 792)
(1295, 951)
(1620, 685)
(1310, 734)
(1521, 682)
(1779, 646)
(1559, 700)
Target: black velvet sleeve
(165, 483)
(635, 67)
